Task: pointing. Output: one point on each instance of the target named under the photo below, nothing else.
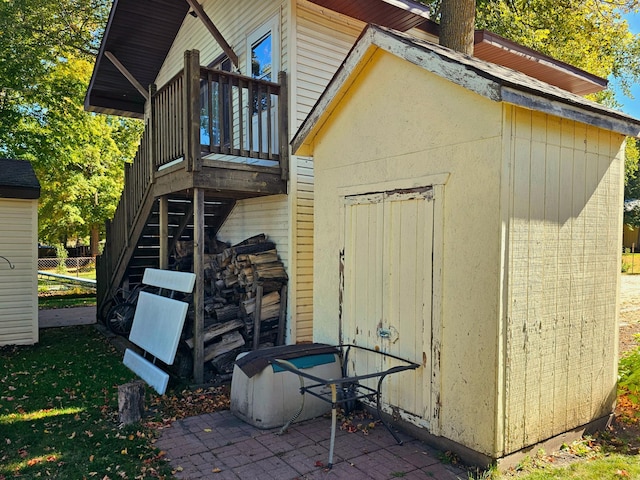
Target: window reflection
(261, 58)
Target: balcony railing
(213, 114)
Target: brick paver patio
(220, 446)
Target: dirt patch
(624, 434)
(629, 320)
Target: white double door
(387, 278)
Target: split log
(224, 363)
(268, 300)
(270, 256)
(229, 342)
(226, 312)
(131, 402)
(259, 247)
(216, 330)
(269, 271)
(260, 238)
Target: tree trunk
(457, 25)
(94, 241)
(131, 402)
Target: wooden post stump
(131, 402)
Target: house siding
(235, 22)
(302, 245)
(19, 286)
(565, 229)
(254, 216)
(321, 42)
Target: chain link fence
(63, 271)
(76, 266)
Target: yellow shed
(469, 218)
(19, 193)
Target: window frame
(272, 27)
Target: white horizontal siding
(18, 286)
(235, 21)
(268, 215)
(323, 40)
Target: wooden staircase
(192, 165)
(180, 225)
(143, 247)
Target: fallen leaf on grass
(622, 473)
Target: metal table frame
(358, 393)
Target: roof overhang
(496, 49)
(492, 81)
(139, 34)
(18, 180)
(400, 15)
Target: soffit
(139, 33)
(400, 15)
(496, 49)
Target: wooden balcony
(222, 133)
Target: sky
(632, 107)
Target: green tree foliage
(47, 49)
(589, 34)
(78, 156)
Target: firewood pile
(245, 295)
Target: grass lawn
(59, 412)
(631, 263)
(63, 301)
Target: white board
(157, 325)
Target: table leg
(379, 410)
(334, 418)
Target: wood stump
(131, 402)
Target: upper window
(262, 58)
(263, 50)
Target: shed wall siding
(422, 145)
(19, 287)
(564, 239)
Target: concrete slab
(66, 317)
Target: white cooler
(270, 398)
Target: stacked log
(237, 279)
